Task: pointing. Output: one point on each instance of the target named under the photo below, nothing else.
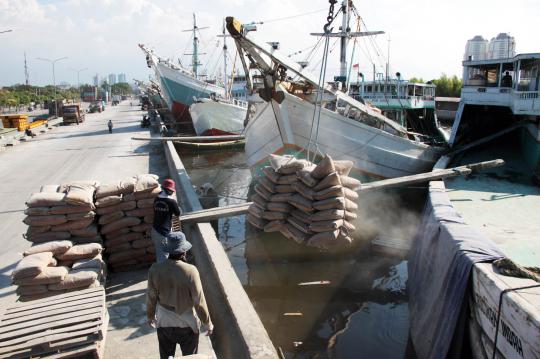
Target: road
(66, 153)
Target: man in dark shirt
(165, 206)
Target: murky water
(315, 304)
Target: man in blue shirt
(165, 206)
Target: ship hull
(212, 118)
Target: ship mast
(345, 34)
(195, 55)
(224, 35)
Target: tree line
(445, 86)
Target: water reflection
(314, 304)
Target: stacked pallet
(125, 215)
(310, 204)
(65, 253)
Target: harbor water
(315, 304)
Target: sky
(426, 37)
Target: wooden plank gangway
(193, 138)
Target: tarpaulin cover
(443, 254)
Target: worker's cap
(169, 184)
(177, 243)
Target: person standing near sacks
(165, 206)
(174, 291)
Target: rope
(507, 267)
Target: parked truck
(72, 114)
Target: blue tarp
(443, 254)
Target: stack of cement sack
(56, 267)
(63, 212)
(125, 215)
(310, 204)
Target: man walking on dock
(110, 125)
(165, 206)
(174, 290)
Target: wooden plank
(32, 317)
(48, 341)
(46, 323)
(61, 298)
(192, 138)
(75, 352)
(26, 313)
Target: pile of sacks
(125, 215)
(57, 267)
(63, 212)
(310, 204)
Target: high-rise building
(112, 79)
(122, 77)
(476, 49)
(502, 47)
(96, 80)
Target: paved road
(66, 153)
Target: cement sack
(119, 224)
(271, 174)
(49, 188)
(259, 201)
(333, 179)
(350, 194)
(131, 254)
(69, 209)
(145, 203)
(140, 212)
(95, 262)
(85, 240)
(111, 217)
(124, 265)
(38, 211)
(31, 289)
(301, 202)
(285, 188)
(142, 243)
(53, 262)
(56, 247)
(281, 197)
(108, 201)
(273, 226)
(286, 164)
(80, 195)
(124, 206)
(301, 216)
(326, 215)
(350, 205)
(49, 275)
(330, 192)
(73, 225)
(141, 227)
(90, 183)
(124, 238)
(81, 251)
(114, 189)
(147, 194)
(323, 168)
(287, 179)
(48, 236)
(324, 239)
(290, 232)
(350, 216)
(77, 216)
(266, 183)
(330, 203)
(117, 233)
(278, 207)
(255, 210)
(117, 247)
(300, 225)
(256, 222)
(50, 220)
(263, 192)
(273, 216)
(343, 168)
(32, 265)
(348, 228)
(37, 230)
(149, 218)
(76, 279)
(146, 183)
(46, 199)
(350, 182)
(88, 232)
(305, 177)
(325, 226)
(304, 190)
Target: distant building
(502, 47)
(112, 79)
(64, 85)
(96, 80)
(122, 77)
(476, 49)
